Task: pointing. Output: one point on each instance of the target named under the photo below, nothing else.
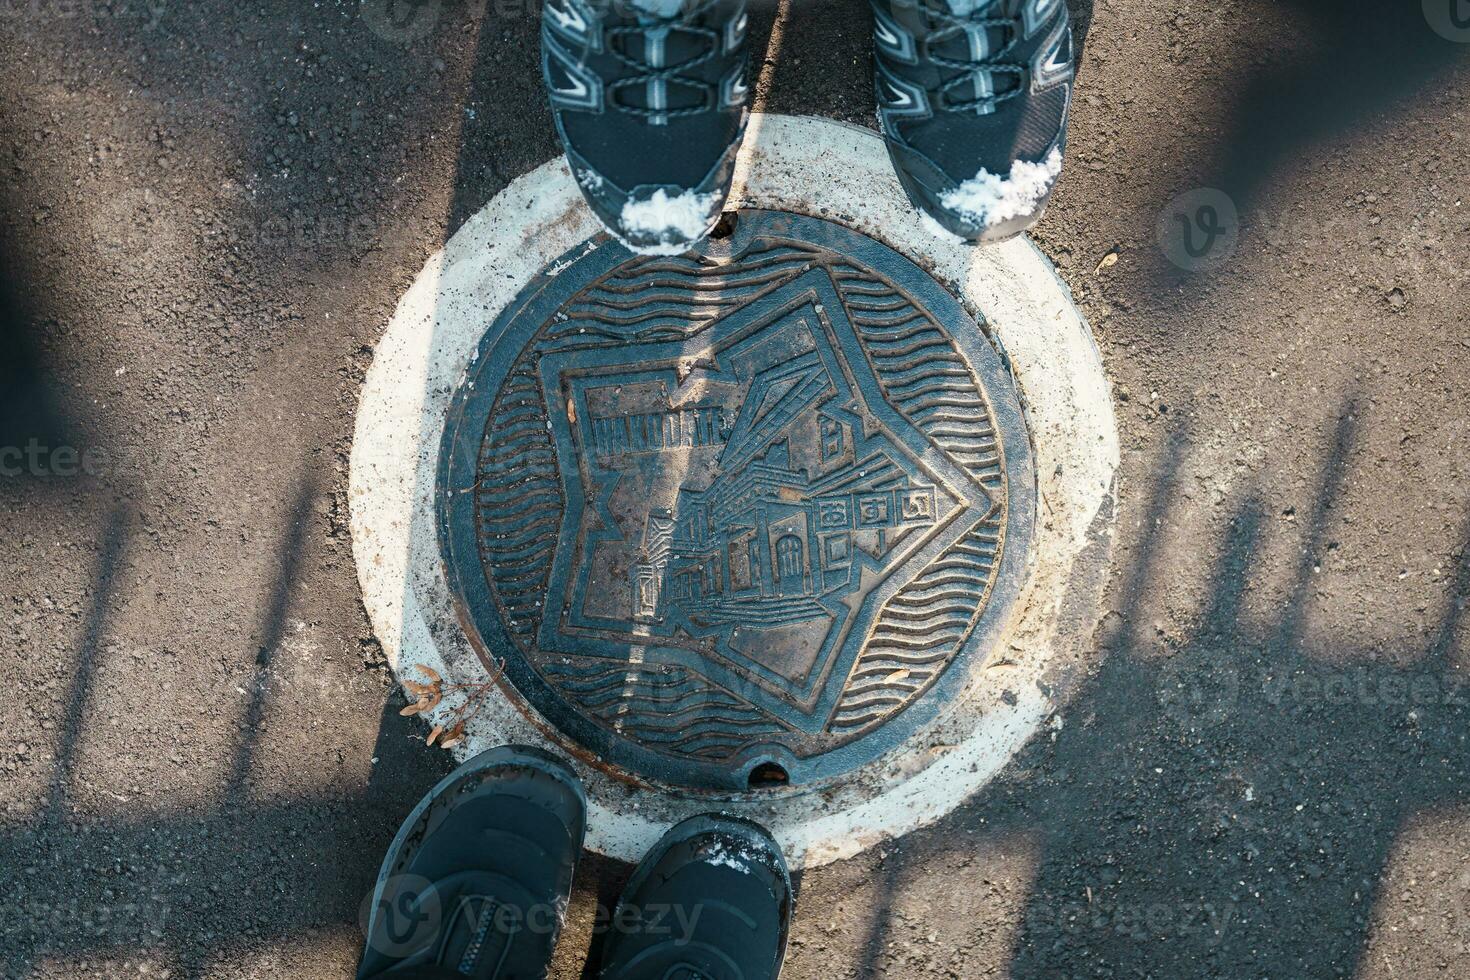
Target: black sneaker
(476, 882)
(973, 98)
(711, 901)
(650, 100)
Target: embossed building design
(778, 527)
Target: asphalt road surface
(209, 212)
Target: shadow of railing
(73, 717)
(1174, 783)
(33, 422)
(273, 631)
(1225, 802)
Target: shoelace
(951, 26)
(646, 74)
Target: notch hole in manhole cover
(725, 227)
(768, 775)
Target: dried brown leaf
(453, 737)
(415, 708)
(430, 673)
(438, 730)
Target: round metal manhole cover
(737, 517)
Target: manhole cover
(622, 654)
(735, 519)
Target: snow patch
(989, 199)
(673, 221)
(718, 856)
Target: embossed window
(832, 441)
(790, 569)
(740, 577)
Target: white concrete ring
(832, 171)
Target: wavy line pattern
(671, 709)
(922, 374)
(518, 501)
(672, 298)
(919, 631)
